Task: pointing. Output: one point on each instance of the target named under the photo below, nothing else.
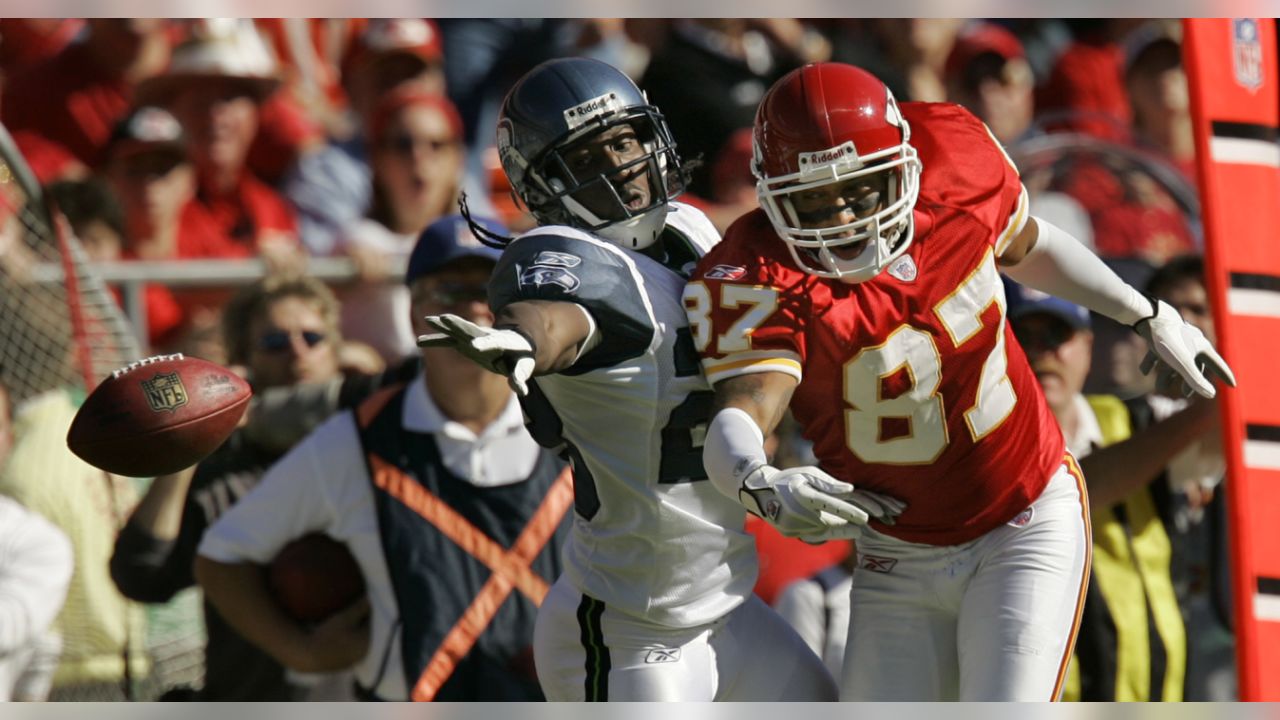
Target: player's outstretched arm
(1049, 259)
(801, 502)
(528, 338)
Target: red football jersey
(911, 383)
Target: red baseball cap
(979, 39)
(409, 36)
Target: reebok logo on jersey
(725, 272)
(662, 655)
(877, 564)
(904, 268)
(1022, 519)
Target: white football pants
(585, 650)
(994, 619)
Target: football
(313, 577)
(157, 416)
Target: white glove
(808, 503)
(1182, 349)
(505, 352)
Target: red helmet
(826, 124)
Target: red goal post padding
(1235, 103)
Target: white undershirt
(1088, 434)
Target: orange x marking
(511, 568)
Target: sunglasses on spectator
(1048, 336)
(279, 340)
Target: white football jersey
(651, 537)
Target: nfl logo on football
(165, 392)
(1246, 53)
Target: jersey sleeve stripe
(736, 365)
(1016, 223)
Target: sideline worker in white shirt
(454, 435)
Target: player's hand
(806, 502)
(505, 352)
(1180, 351)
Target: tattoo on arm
(763, 396)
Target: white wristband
(733, 449)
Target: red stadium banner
(1235, 105)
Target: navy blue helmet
(558, 106)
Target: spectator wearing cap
(75, 98)
(416, 156)
(1132, 644)
(148, 168)
(988, 73)
(428, 484)
(331, 189)
(215, 86)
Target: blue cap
(447, 239)
(1025, 301)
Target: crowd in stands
(282, 140)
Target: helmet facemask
(887, 231)
(595, 201)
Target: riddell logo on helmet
(839, 153)
(580, 114)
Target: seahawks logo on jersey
(551, 268)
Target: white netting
(60, 327)
(53, 333)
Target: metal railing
(133, 276)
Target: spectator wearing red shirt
(215, 86)
(75, 98)
(1085, 90)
